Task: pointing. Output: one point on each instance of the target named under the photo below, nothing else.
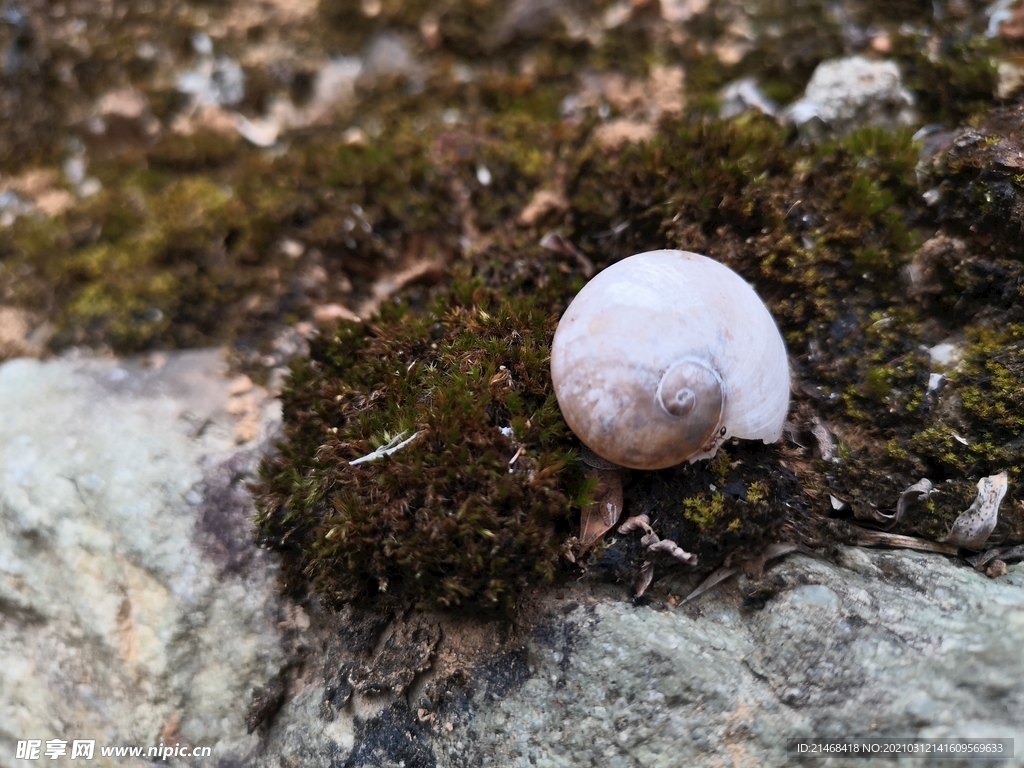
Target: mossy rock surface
(826, 234)
(978, 178)
(869, 250)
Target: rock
(388, 60)
(978, 174)
(216, 82)
(22, 334)
(845, 94)
(742, 95)
(333, 92)
(899, 644)
(1009, 79)
(927, 651)
(136, 609)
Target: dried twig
(866, 538)
(385, 450)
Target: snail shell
(664, 355)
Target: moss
(190, 236)
(757, 493)
(704, 512)
(953, 82)
(785, 221)
(719, 467)
(519, 152)
(825, 235)
(732, 506)
(200, 151)
(464, 515)
(980, 428)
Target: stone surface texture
(135, 609)
(848, 93)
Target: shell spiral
(665, 354)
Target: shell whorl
(691, 391)
(692, 388)
(665, 353)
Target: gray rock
(887, 643)
(895, 644)
(134, 607)
(387, 59)
(743, 95)
(845, 94)
(215, 81)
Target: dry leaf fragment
(543, 203)
(331, 313)
(671, 548)
(754, 566)
(396, 444)
(922, 489)
(603, 512)
(826, 440)
(918, 492)
(973, 527)
(559, 243)
(649, 539)
(714, 579)
(642, 522)
(643, 580)
(429, 270)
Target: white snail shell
(664, 355)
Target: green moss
(704, 512)
(981, 404)
(757, 493)
(450, 520)
(182, 249)
(943, 447)
(991, 380)
(824, 236)
(719, 467)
